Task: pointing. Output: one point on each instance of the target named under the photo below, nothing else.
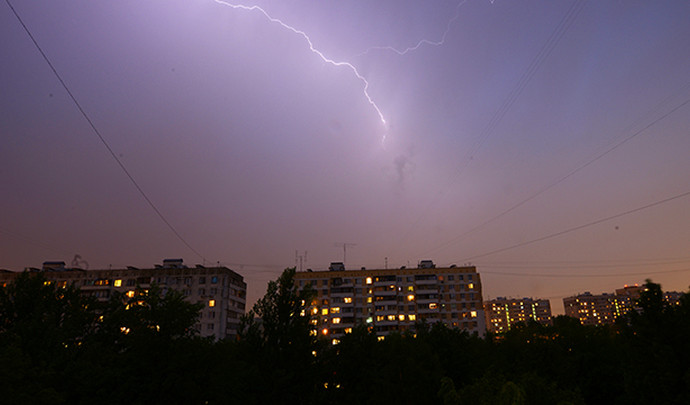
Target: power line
(547, 48)
(577, 228)
(98, 134)
(583, 265)
(561, 179)
(581, 275)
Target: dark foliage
(58, 347)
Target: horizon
(543, 142)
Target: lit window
(118, 283)
(471, 286)
(335, 341)
(211, 303)
(369, 300)
(381, 338)
(473, 314)
(303, 313)
(314, 311)
(324, 331)
(410, 288)
(410, 297)
(401, 317)
(380, 318)
(412, 317)
(347, 300)
(370, 320)
(347, 330)
(335, 320)
(391, 317)
(313, 332)
(335, 310)
(130, 293)
(368, 281)
(433, 305)
(324, 311)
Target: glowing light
(312, 49)
(423, 41)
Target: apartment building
(603, 309)
(221, 290)
(394, 300)
(504, 313)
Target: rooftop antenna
(345, 245)
(300, 259)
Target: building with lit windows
(606, 308)
(601, 309)
(393, 300)
(221, 290)
(503, 313)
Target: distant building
(503, 313)
(673, 297)
(601, 309)
(393, 300)
(221, 290)
(604, 309)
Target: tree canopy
(58, 346)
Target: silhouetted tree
(275, 337)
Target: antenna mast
(345, 245)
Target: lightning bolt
(422, 41)
(313, 49)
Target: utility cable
(559, 180)
(547, 48)
(579, 227)
(98, 134)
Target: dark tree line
(57, 346)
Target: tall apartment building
(221, 290)
(390, 300)
(606, 308)
(601, 309)
(503, 313)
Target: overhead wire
(546, 49)
(562, 178)
(579, 227)
(100, 136)
(582, 275)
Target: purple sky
(253, 147)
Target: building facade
(503, 313)
(604, 309)
(600, 309)
(221, 290)
(394, 300)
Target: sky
(545, 142)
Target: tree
(42, 329)
(275, 337)
(659, 335)
(46, 321)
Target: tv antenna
(345, 245)
(300, 259)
